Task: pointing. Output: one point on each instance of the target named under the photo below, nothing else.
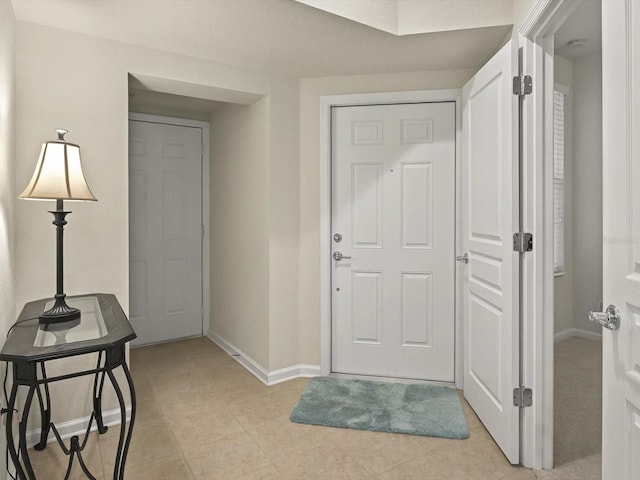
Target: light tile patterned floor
(203, 416)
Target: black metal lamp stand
(60, 312)
(58, 176)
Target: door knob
(463, 258)
(609, 319)
(337, 256)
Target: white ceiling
(585, 23)
(281, 37)
(380, 14)
(408, 17)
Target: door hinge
(522, 242)
(522, 85)
(522, 397)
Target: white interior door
(165, 231)
(621, 245)
(489, 218)
(393, 204)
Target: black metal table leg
(97, 397)
(75, 449)
(117, 470)
(9, 429)
(132, 393)
(45, 411)
(22, 435)
(115, 357)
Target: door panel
(367, 206)
(417, 197)
(621, 245)
(165, 219)
(367, 307)
(489, 218)
(417, 299)
(393, 202)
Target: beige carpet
(578, 410)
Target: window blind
(558, 181)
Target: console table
(102, 328)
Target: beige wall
(81, 83)
(7, 154)
(311, 90)
(254, 226)
(7, 191)
(563, 284)
(580, 289)
(587, 190)
(284, 227)
(85, 90)
(239, 184)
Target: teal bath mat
(382, 407)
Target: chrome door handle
(609, 319)
(337, 256)
(463, 258)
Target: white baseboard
(243, 359)
(296, 371)
(265, 376)
(77, 427)
(577, 332)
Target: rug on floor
(382, 407)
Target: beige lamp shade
(58, 174)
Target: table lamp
(58, 176)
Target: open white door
(490, 211)
(621, 245)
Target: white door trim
(326, 102)
(537, 43)
(143, 117)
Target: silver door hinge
(522, 397)
(522, 242)
(522, 85)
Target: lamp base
(60, 312)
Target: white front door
(489, 219)
(393, 218)
(621, 243)
(165, 231)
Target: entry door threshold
(392, 379)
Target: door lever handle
(463, 258)
(609, 319)
(337, 256)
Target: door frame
(204, 178)
(536, 42)
(363, 99)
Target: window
(559, 101)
